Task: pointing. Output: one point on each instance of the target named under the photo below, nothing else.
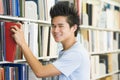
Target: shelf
(4, 62)
(40, 58)
(12, 18)
(112, 2)
(105, 52)
(109, 74)
(96, 2)
(99, 29)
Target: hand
(18, 34)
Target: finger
(15, 27)
(20, 25)
(13, 30)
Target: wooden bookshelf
(107, 76)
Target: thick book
(9, 41)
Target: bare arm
(37, 67)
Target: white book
(45, 33)
(33, 38)
(25, 30)
(31, 10)
(49, 4)
(41, 9)
(102, 70)
(95, 66)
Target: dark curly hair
(69, 11)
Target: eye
(53, 26)
(60, 26)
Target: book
(33, 38)
(31, 10)
(2, 73)
(1, 39)
(2, 42)
(45, 34)
(104, 60)
(89, 12)
(1, 7)
(41, 9)
(9, 41)
(5, 7)
(39, 40)
(22, 8)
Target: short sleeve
(68, 62)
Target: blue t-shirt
(74, 63)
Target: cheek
(52, 31)
(66, 31)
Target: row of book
(11, 71)
(23, 8)
(20, 71)
(19, 8)
(7, 44)
(104, 64)
(38, 38)
(10, 7)
(100, 15)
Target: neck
(69, 43)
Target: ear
(74, 28)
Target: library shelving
(102, 61)
(100, 30)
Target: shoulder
(77, 48)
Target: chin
(57, 40)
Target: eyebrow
(58, 24)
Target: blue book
(17, 8)
(7, 72)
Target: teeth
(57, 35)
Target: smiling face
(61, 30)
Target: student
(73, 62)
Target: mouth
(57, 35)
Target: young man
(73, 61)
